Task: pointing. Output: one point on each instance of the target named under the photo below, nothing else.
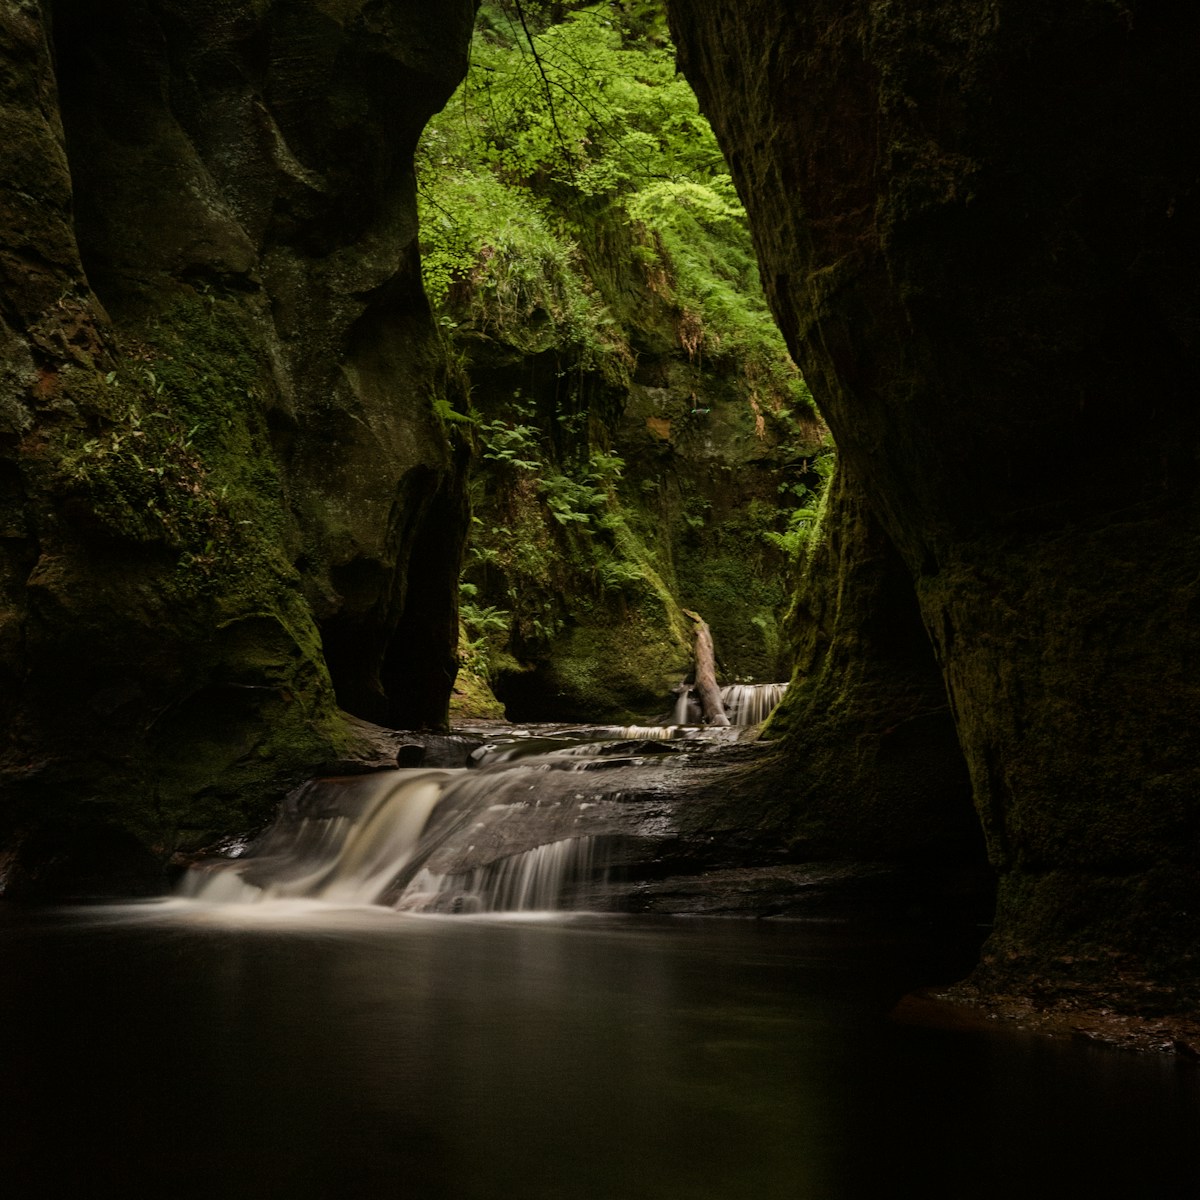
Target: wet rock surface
(675, 834)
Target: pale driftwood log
(706, 673)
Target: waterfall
(745, 703)
(340, 840)
(632, 733)
(536, 880)
(751, 703)
(514, 832)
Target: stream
(328, 1013)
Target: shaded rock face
(227, 504)
(870, 758)
(978, 227)
(699, 487)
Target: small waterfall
(745, 703)
(537, 880)
(633, 733)
(372, 839)
(341, 840)
(751, 703)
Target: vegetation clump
(167, 462)
(588, 257)
(566, 126)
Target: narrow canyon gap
(232, 503)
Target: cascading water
(517, 831)
(345, 841)
(745, 703)
(751, 703)
(536, 880)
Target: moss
(866, 712)
(171, 607)
(611, 664)
(473, 698)
(733, 585)
(171, 448)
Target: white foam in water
(342, 858)
(359, 838)
(751, 703)
(638, 733)
(534, 881)
(745, 703)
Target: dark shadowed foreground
(299, 1050)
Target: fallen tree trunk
(711, 706)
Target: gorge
(250, 478)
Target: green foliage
(587, 123)
(585, 497)
(483, 621)
(512, 444)
(485, 630)
(173, 453)
(557, 525)
(445, 411)
(802, 519)
(575, 209)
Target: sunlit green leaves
(585, 119)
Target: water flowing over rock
(744, 703)
(575, 818)
(501, 836)
(751, 703)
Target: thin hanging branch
(541, 68)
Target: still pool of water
(292, 1050)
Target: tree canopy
(573, 118)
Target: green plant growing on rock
(582, 239)
(165, 464)
(485, 629)
(566, 125)
(583, 497)
(802, 519)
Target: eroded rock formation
(227, 502)
(978, 227)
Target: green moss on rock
(221, 440)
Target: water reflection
(294, 1050)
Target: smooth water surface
(293, 1050)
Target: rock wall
(868, 753)
(978, 227)
(228, 504)
(595, 603)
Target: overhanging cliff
(978, 227)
